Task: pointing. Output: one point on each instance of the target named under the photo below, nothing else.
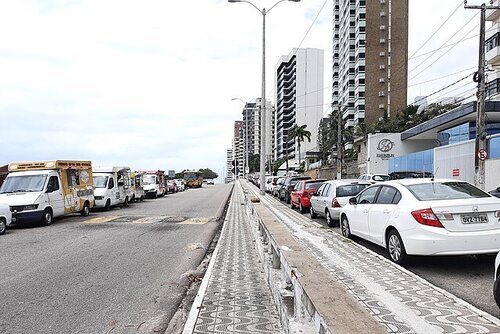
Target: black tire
(329, 219)
(292, 206)
(312, 213)
(486, 258)
(47, 217)
(125, 204)
(287, 199)
(142, 198)
(3, 226)
(86, 210)
(107, 206)
(396, 248)
(155, 195)
(301, 208)
(132, 200)
(496, 290)
(345, 228)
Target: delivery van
(112, 186)
(40, 191)
(154, 183)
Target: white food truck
(112, 186)
(138, 186)
(154, 183)
(40, 191)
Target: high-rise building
(238, 148)
(370, 59)
(229, 166)
(299, 100)
(493, 54)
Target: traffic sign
(482, 154)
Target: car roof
(314, 180)
(348, 181)
(407, 182)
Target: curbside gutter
(308, 298)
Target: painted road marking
(100, 220)
(196, 221)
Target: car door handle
(386, 211)
(365, 211)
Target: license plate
(474, 219)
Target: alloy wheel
(395, 248)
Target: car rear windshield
(349, 190)
(435, 191)
(313, 185)
(381, 177)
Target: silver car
(332, 196)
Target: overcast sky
(149, 83)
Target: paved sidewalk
(237, 298)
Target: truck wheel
(125, 204)
(3, 226)
(47, 217)
(107, 206)
(142, 198)
(86, 210)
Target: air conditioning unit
(382, 2)
(382, 41)
(382, 53)
(382, 67)
(382, 14)
(382, 27)
(381, 80)
(381, 106)
(381, 93)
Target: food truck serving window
(73, 177)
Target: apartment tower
(299, 100)
(370, 59)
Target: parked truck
(40, 191)
(154, 183)
(112, 186)
(138, 186)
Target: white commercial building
(299, 100)
(493, 54)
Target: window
(53, 183)
(111, 184)
(349, 190)
(387, 195)
(368, 196)
(326, 190)
(73, 177)
(445, 190)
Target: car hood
(99, 191)
(13, 199)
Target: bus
(193, 179)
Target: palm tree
(300, 134)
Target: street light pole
(263, 110)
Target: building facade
(229, 166)
(238, 149)
(370, 59)
(299, 100)
(492, 46)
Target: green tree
(208, 173)
(253, 163)
(299, 134)
(277, 164)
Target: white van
(112, 186)
(154, 183)
(40, 191)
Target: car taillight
(335, 203)
(426, 217)
(497, 214)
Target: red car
(301, 194)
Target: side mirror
(498, 189)
(353, 201)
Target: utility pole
(481, 132)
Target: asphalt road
(464, 276)
(111, 272)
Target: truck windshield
(25, 183)
(149, 179)
(100, 181)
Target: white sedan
(425, 217)
(496, 286)
(5, 217)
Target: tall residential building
(238, 147)
(370, 59)
(229, 166)
(299, 100)
(493, 54)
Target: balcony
(493, 56)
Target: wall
(492, 179)
(458, 156)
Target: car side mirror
(498, 189)
(353, 201)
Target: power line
(442, 77)
(436, 31)
(444, 88)
(442, 55)
(449, 39)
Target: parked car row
(40, 191)
(407, 217)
